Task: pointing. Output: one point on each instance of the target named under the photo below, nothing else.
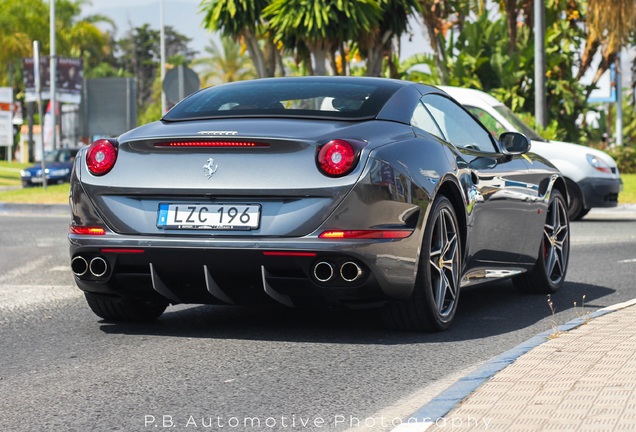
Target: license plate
(209, 216)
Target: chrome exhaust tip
(79, 265)
(350, 271)
(98, 267)
(323, 271)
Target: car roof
(466, 96)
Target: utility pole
(38, 91)
(540, 104)
(162, 41)
(619, 101)
(53, 73)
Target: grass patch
(10, 173)
(54, 194)
(628, 194)
(10, 177)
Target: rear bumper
(598, 192)
(247, 271)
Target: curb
(443, 403)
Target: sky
(184, 17)
(180, 14)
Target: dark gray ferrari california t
(358, 192)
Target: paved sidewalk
(583, 379)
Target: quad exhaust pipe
(349, 272)
(79, 265)
(323, 271)
(97, 267)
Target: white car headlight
(598, 164)
(25, 173)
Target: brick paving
(580, 380)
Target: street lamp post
(53, 73)
(162, 42)
(540, 104)
(38, 92)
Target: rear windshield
(287, 97)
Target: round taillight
(336, 158)
(101, 157)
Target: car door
(497, 216)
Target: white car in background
(591, 175)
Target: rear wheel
(433, 304)
(113, 308)
(548, 274)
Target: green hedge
(625, 158)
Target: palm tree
(439, 17)
(241, 20)
(226, 64)
(319, 28)
(21, 22)
(377, 42)
(610, 23)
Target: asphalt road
(225, 369)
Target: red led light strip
(122, 250)
(224, 144)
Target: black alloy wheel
(433, 304)
(548, 274)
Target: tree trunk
(511, 21)
(319, 51)
(591, 47)
(255, 53)
(431, 25)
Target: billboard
(6, 117)
(69, 79)
(109, 107)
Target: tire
(113, 308)
(576, 211)
(433, 304)
(582, 214)
(548, 274)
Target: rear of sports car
(242, 210)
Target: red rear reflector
(122, 250)
(208, 144)
(290, 254)
(366, 234)
(83, 230)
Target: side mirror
(514, 143)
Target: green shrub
(625, 158)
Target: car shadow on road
(483, 312)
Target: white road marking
(403, 408)
(25, 269)
(20, 297)
(61, 269)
